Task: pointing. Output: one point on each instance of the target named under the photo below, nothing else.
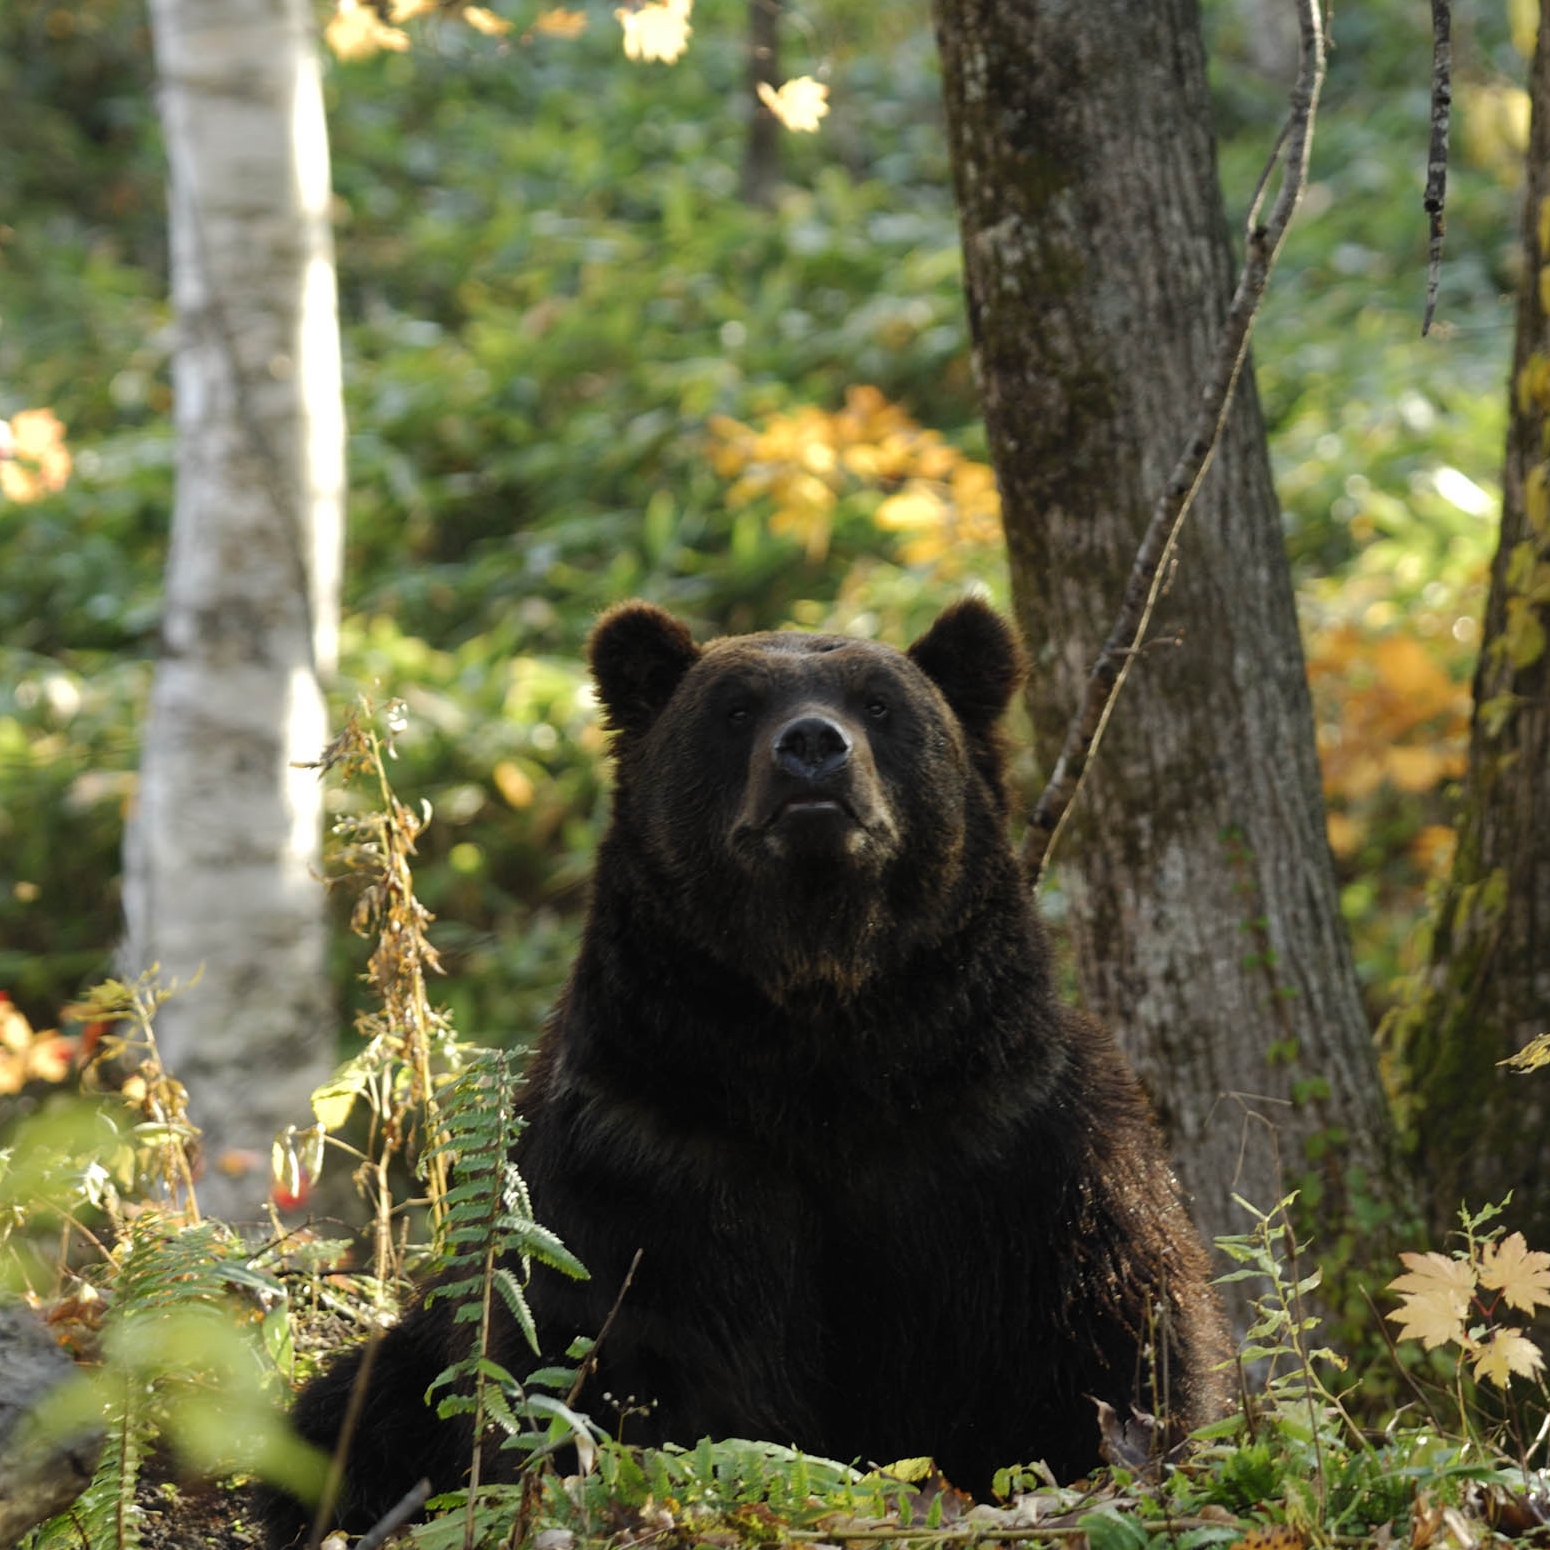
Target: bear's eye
(739, 716)
(877, 709)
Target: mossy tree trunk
(1203, 909)
(1480, 1130)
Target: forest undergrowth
(188, 1335)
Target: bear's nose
(811, 747)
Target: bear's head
(806, 805)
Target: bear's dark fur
(892, 1198)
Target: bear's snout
(811, 748)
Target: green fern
(106, 1516)
(488, 1228)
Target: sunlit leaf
(558, 22)
(1507, 1351)
(487, 22)
(657, 30)
(355, 31)
(1436, 1291)
(1520, 1274)
(36, 460)
(799, 104)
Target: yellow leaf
(1522, 1276)
(657, 30)
(806, 513)
(332, 1102)
(36, 433)
(1403, 666)
(1345, 834)
(916, 506)
(1508, 1351)
(560, 23)
(356, 32)
(15, 1030)
(1429, 1322)
(487, 22)
(1436, 1292)
(407, 10)
(1544, 288)
(1418, 769)
(1433, 847)
(513, 783)
(36, 460)
(799, 104)
(907, 1469)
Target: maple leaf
(559, 22)
(1435, 1298)
(799, 103)
(486, 21)
(356, 32)
(1522, 1276)
(36, 461)
(659, 29)
(1508, 1351)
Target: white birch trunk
(222, 854)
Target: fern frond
(105, 1516)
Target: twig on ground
(1263, 244)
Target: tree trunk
(1203, 909)
(761, 154)
(222, 856)
(1479, 1130)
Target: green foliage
(183, 1330)
(549, 289)
(490, 1242)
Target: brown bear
(891, 1198)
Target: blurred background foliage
(579, 368)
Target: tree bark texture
(1480, 1130)
(1203, 909)
(222, 856)
(761, 154)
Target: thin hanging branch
(1437, 154)
(1261, 248)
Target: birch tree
(222, 852)
(1203, 908)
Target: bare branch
(410, 1504)
(1262, 246)
(1437, 154)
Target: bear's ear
(638, 655)
(975, 658)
